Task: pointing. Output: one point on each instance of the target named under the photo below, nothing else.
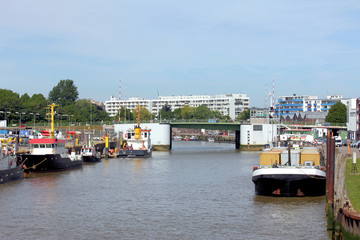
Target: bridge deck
(207, 125)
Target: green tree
(145, 115)
(35, 105)
(24, 99)
(203, 112)
(9, 104)
(83, 110)
(337, 113)
(244, 115)
(129, 115)
(166, 113)
(177, 113)
(187, 112)
(216, 114)
(64, 93)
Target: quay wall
(343, 220)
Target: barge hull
(289, 185)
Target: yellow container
(137, 133)
(270, 158)
(310, 155)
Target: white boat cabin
(138, 139)
(47, 146)
(88, 151)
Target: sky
(163, 47)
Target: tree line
(24, 109)
(16, 109)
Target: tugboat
(137, 142)
(9, 171)
(48, 154)
(89, 154)
(290, 173)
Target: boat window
(36, 145)
(129, 136)
(145, 135)
(48, 145)
(42, 145)
(53, 145)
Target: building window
(257, 127)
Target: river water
(199, 190)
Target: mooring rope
(35, 165)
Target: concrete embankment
(343, 219)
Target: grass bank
(353, 184)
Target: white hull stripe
(289, 171)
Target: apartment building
(226, 104)
(289, 105)
(353, 117)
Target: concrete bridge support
(237, 139)
(170, 145)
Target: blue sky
(181, 47)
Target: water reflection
(198, 191)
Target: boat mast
(137, 128)
(52, 131)
(138, 115)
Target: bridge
(252, 136)
(209, 126)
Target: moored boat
(193, 138)
(89, 154)
(283, 172)
(48, 154)
(177, 138)
(9, 170)
(136, 142)
(186, 138)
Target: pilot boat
(48, 154)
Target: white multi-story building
(288, 105)
(226, 104)
(353, 117)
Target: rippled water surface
(197, 191)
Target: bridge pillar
(170, 147)
(237, 139)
